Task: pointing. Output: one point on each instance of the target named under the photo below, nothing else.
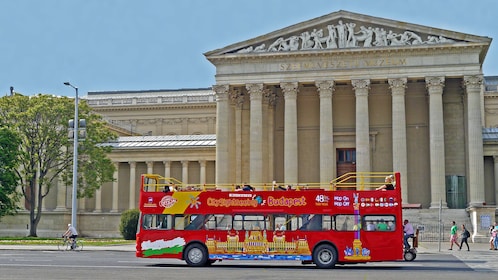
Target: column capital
(289, 89)
(475, 81)
(360, 86)
(495, 159)
(433, 83)
(270, 96)
(397, 83)
(236, 97)
(255, 91)
(221, 91)
(325, 88)
(202, 163)
(132, 163)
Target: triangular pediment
(343, 30)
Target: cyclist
(72, 234)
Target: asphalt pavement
(424, 247)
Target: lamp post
(75, 157)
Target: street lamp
(75, 157)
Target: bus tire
(196, 255)
(325, 256)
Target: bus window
(326, 222)
(379, 223)
(294, 223)
(180, 222)
(237, 222)
(344, 223)
(156, 222)
(254, 222)
(280, 222)
(198, 222)
(311, 222)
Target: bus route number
(322, 198)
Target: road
(119, 264)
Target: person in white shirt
(70, 232)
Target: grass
(54, 241)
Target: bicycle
(70, 245)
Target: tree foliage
(42, 123)
(9, 152)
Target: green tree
(9, 152)
(129, 222)
(42, 122)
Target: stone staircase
(428, 221)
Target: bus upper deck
(359, 181)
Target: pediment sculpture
(346, 35)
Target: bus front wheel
(196, 255)
(325, 256)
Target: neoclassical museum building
(309, 102)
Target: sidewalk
(433, 247)
(126, 248)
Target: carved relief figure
(343, 35)
(331, 44)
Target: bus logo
(167, 201)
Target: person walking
(465, 235)
(453, 235)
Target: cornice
(365, 52)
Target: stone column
(98, 200)
(290, 132)
(223, 164)
(185, 172)
(237, 99)
(202, 175)
(150, 167)
(436, 134)
(256, 133)
(361, 88)
(167, 168)
(495, 161)
(115, 189)
(400, 154)
(473, 85)
(327, 150)
(61, 195)
(132, 203)
(271, 98)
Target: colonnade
(133, 185)
(228, 131)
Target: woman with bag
(465, 235)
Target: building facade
(304, 104)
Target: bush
(129, 222)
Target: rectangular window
(344, 223)
(379, 223)
(157, 221)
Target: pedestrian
(465, 235)
(492, 237)
(453, 235)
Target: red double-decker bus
(346, 221)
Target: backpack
(466, 233)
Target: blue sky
(109, 45)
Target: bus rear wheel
(196, 255)
(325, 256)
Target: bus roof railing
(349, 181)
